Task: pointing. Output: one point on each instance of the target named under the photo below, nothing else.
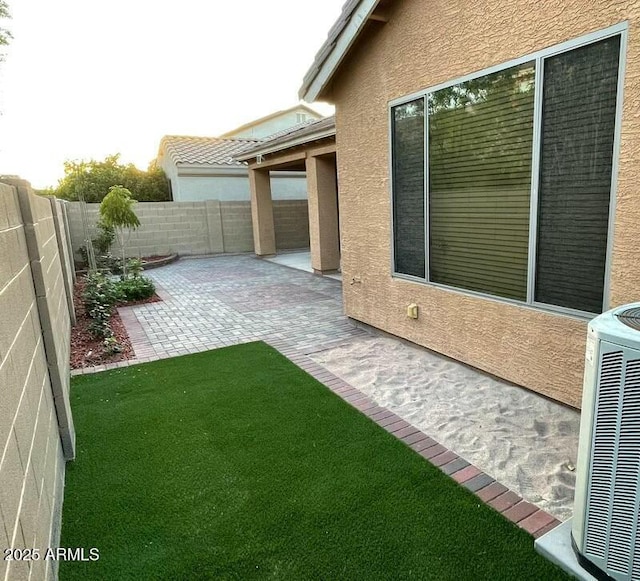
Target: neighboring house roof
(297, 135)
(255, 122)
(354, 16)
(184, 149)
(287, 130)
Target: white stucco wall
(235, 187)
(171, 172)
(288, 187)
(276, 124)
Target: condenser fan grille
(631, 318)
(613, 508)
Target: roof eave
(312, 89)
(286, 144)
(183, 166)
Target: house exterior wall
(273, 125)
(235, 187)
(422, 45)
(34, 380)
(171, 171)
(193, 228)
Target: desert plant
(116, 211)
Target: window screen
(408, 188)
(579, 108)
(480, 149)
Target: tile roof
(184, 149)
(296, 135)
(349, 23)
(289, 129)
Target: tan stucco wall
(32, 462)
(423, 44)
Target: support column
(323, 214)
(264, 234)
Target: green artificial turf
(236, 464)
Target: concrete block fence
(36, 426)
(193, 228)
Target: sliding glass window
(480, 143)
(514, 202)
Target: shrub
(99, 291)
(109, 263)
(99, 327)
(136, 288)
(134, 267)
(102, 245)
(99, 297)
(104, 240)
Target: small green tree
(116, 211)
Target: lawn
(236, 464)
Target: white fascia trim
(287, 144)
(207, 170)
(343, 43)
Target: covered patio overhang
(311, 148)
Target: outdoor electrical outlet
(412, 311)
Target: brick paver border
(524, 514)
(527, 516)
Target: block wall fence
(36, 426)
(192, 228)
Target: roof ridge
(210, 137)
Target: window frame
(538, 57)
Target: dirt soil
(87, 351)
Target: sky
(85, 79)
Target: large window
(514, 201)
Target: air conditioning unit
(605, 530)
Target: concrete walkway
(300, 260)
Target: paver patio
(213, 302)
